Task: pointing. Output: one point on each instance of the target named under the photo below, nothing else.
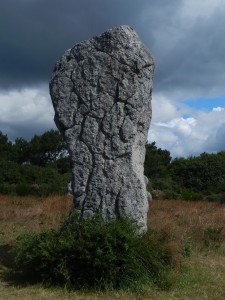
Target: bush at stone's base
(92, 254)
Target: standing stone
(101, 92)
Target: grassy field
(194, 230)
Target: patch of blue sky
(205, 104)
(186, 116)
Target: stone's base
(101, 93)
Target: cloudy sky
(186, 37)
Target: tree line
(41, 167)
(192, 178)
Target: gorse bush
(92, 254)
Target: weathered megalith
(101, 93)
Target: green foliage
(63, 165)
(204, 173)
(43, 162)
(9, 172)
(46, 148)
(213, 236)
(190, 195)
(20, 151)
(29, 179)
(192, 178)
(214, 197)
(40, 167)
(187, 249)
(157, 168)
(7, 189)
(92, 254)
(40, 150)
(29, 173)
(157, 161)
(172, 194)
(5, 147)
(168, 187)
(23, 189)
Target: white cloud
(23, 105)
(176, 127)
(181, 125)
(28, 108)
(199, 132)
(162, 109)
(218, 108)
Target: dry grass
(179, 222)
(186, 221)
(21, 214)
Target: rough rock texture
(101, 93)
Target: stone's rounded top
(126, 28)
(124, 32)
(121, 29)
(115, 62)
(114, 32)
(120, 43)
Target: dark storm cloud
(35, 33)
(15, 131)
(186, 38)
(196, 64)
(189, 59)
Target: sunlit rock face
(101, 93)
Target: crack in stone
(133, 68)
(117, 204)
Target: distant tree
(9, 172)
(63, 165)
(20, 151)
(46, 148)
(5, 148)
(203, 173)
(39, 167)
(157, 161)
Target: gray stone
(149, 196)
(146, 180)
(69, 189)
(101, 92)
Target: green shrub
(190, 195)
(9, 172)
(187, 249)
(23, 189)
(91, 254)
(214, 198)
(7, 189)
(171, 194)
(213, 236)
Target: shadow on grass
(6, 257)
(8, 271)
